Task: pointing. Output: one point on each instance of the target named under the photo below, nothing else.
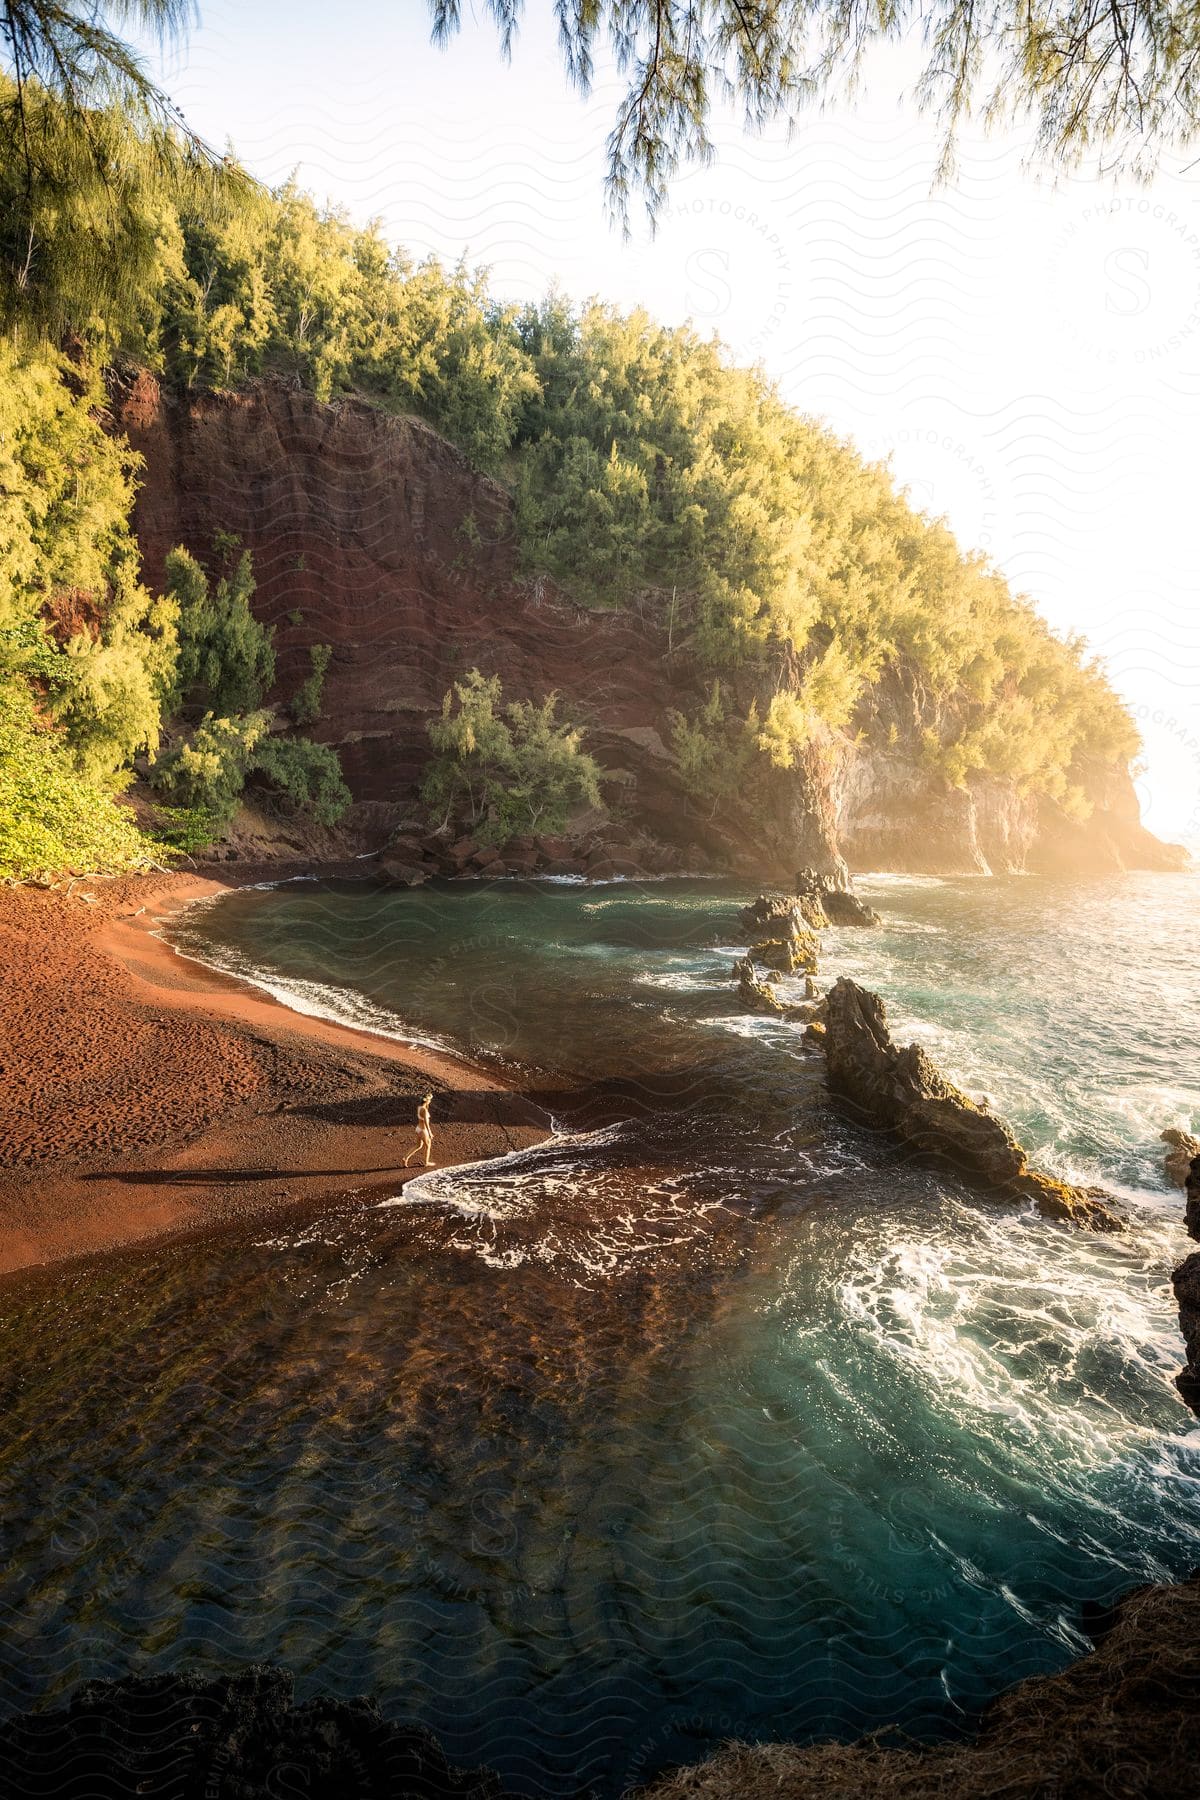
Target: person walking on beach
(424, 1133)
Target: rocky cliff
(371, 533)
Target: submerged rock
(1181, 1150)
(185, 1737)
(906, 1092)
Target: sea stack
(905, 1091)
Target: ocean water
(715, 1416)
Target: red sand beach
(141, 1093)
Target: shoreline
(147, 1094)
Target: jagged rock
(791, 945)
(844, 908)
(769, 910)
(904, 1090)
(815, 1032)
(812, 912)
(185, 1737)
(1182, 1148)
(838, 905)
(786, 954)
(755, 993)
(1186, 1282)
(775, 953)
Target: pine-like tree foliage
(76, 623)
(506, 769)
(1090, 74)
(94, 158)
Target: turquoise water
(712, 1417)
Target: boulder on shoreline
(904, 1091)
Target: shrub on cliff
(305, 703)
(225, 665)
(502, 770)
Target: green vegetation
(92, 666)
(53, 820)
(305, 704)
(1088, 76)
(225, 665)
(500, 771)
(793, 581)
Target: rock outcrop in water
(239, 1737)
(1186, 1282)
(1122, 1723)
(905, 1092)
(834, 902)
(754, 991)
(791, 945)
(1182, 1148)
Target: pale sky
(1024, 347)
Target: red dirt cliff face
(371, 533)
(391, 548)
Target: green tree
(75, 622)
(505, 771)
(226, 658)
(1088, 75)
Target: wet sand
(141, 1093)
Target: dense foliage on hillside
(95, 672)
(647, 471)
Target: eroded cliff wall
(371, 533)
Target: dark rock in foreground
(1186, 1282)
(1122, 1723)
(239, 1737)
(905, 1092)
